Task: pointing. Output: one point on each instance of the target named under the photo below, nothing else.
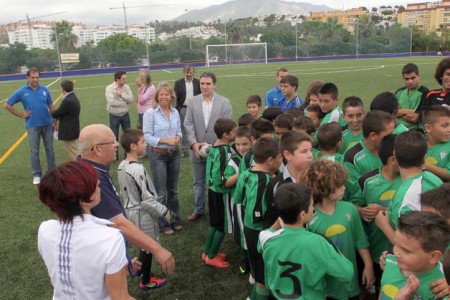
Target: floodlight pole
(296, 39)
(226, 38)
(357, 39)
(57, 50)
(146, 46)
(410, 40)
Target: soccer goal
(236, 53)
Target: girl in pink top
(146, 94)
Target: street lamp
(57, 50)
(147, 39)
(296, 38)
(226, 38)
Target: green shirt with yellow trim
(345, 230)
(438, 155)
(393, 280)
(374, 188)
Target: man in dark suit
(68, 114)
(185, 89)
(202, 113)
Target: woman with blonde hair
(146, 94)
(162, 131)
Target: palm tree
(66, 38)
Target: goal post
(236, 53)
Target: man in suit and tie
(202, 113)
(185, 89)
(68, 114)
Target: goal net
(236, 53)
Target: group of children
(276, 182)
(315, 195)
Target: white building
(41, 34)
(38, 37)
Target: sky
(98, 12)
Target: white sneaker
(36, 180)
(251, 279)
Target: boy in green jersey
(328, 101)
(296, 261)
(410, 96)
(251, 191)
(353, 113)
(363, 157)
(375, 192)
(329, 137)
(387, 102)
(410, 148)
(218, 157)
(316, 115)
(258, 128)
(242, 143)
(296, 150)
(339, 222)
(420, 241)
(436, 120)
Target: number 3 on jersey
(297, 290)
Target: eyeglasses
(107, 143)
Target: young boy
(409, 97)
(375, 192)
(218, 157)
(353, 113)
(339, 222)
(329, 137)
(410, 148)
(436, 120)
(246, 120)
(315, 114)
(254, 104)
(306, 258)
(420, 241)
(328, 98)
(242, 144)
(387, 102)
(259, 128)
(363, 157)
(283, 123)
(140, 199)
(289, 86)
(271, 113)
(296, 150)
(251, 190)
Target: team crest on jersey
(44, 93)
(141, 177)
(348, 216)
(443, 154)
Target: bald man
(98, 147)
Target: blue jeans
(34, 137)
(165, 168)
(116, 121)
(199, 184)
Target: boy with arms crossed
(299, 273)
(410, 96)
(251, 190)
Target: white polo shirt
(79, 254)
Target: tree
(13, 57)
(233, 33)
(66, 38)
(122, 49)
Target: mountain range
(249, 8)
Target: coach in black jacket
(68, 114)
(185, 89)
